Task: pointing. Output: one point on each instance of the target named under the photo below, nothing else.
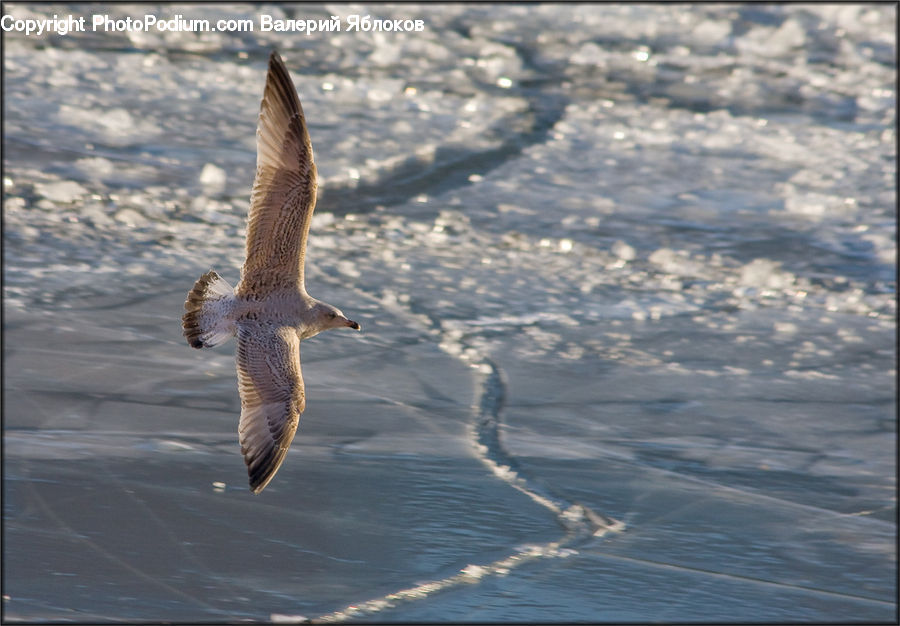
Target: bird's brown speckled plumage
(269, 310)
(272, 398)
(284, 192)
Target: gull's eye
(332, 315)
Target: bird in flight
(269, 311)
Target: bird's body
(269, 311)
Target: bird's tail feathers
(207, 322)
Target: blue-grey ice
(629, 262)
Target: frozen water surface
(627, 283)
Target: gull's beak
(353, 325)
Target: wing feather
(284, 191)
(272, 398)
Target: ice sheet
(627, 281)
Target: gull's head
(331, 317)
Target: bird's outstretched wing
(284, 192)
(272, 397)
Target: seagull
(269, 311)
